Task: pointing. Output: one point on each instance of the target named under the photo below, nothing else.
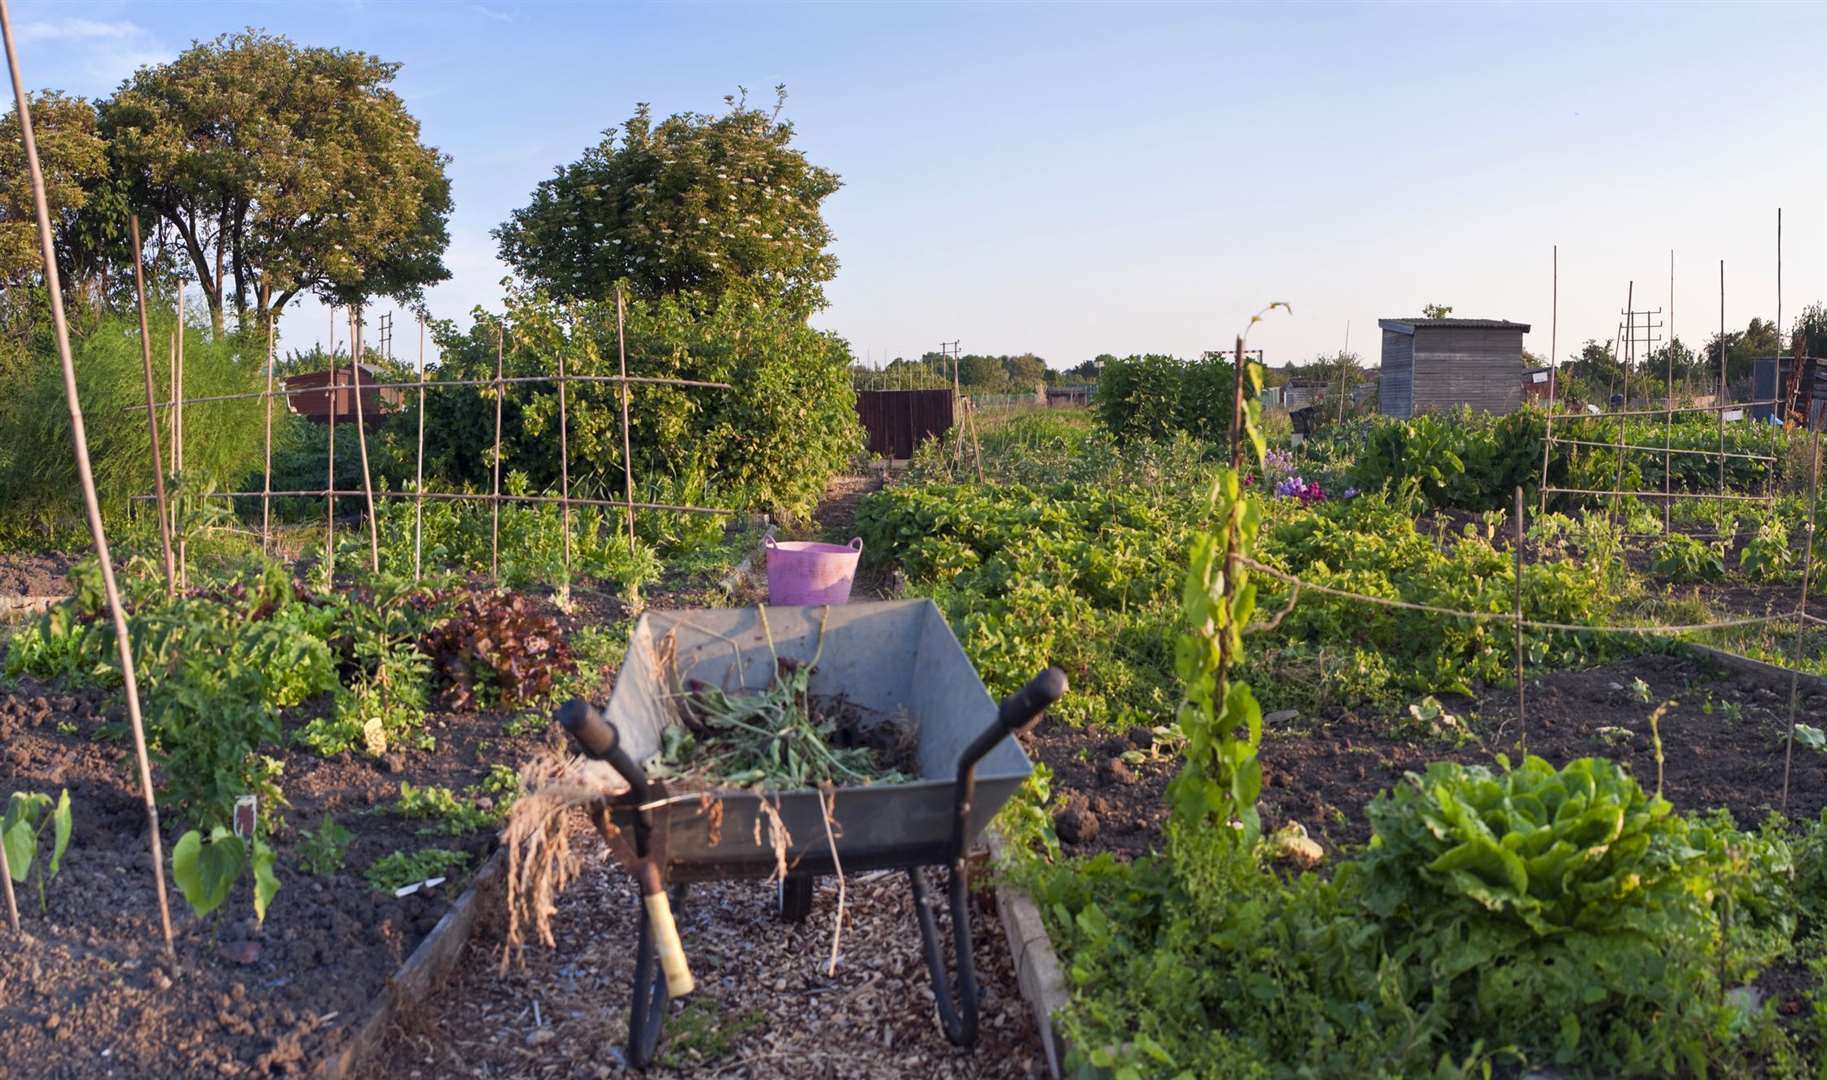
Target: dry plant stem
(827, 804)
(152, 416)
(80, 441)
(540, 860)
(361, 439)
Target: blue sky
(1086, 178)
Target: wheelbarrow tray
(889, 657)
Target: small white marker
(408, 890)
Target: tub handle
(856, 544)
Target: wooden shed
(377, 402)
(1437, 364)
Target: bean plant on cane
(28, 814)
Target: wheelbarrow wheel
(793, 899)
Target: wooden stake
(1801, 609)
(1553, 367)
(266, 485)
(564, 463)
(418, 502)
(494, 544)
(1719, 405)
(361, 438)
(152, 415)
(1522, 716)
(1668, 408)
(12, 905)
(330, 475)
(80, 440)
(621, 345)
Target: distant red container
(335, 390)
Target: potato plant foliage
(1503, 919)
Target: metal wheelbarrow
(891, 657)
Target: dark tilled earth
(34, 575)
(91, 992)
(1321, 771)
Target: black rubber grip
(594, 735)
(1024, 706)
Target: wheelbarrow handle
(1017, 712)
(598, 738)
(1022, 708)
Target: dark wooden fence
(897, 421)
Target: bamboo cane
(85, 474)
(152, 416)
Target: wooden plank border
(423, 973)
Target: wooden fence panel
(898, 421)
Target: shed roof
(1408, 326)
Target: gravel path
(764, 1006)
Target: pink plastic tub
(803, 573)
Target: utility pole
(950, 349)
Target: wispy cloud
(77, 30)
(490, 13)
(94, 55)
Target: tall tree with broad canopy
(692, 204)
(294, 168)
(74, 159)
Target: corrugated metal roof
(1408, 325)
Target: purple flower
(1351, 493)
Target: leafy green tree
(1436, 311)
(74, 160)
(281, 166)
(1742, 349)
(1025, 372)
(694, 203)
(1810, 328)
(984, 374)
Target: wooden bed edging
(423, 972)
(1037, 970)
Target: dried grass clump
(540, 860)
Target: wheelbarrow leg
(959, 1018)
(649, 1010)
(795, 899)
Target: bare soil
(1723, 746)
(91, 992)
(34, 575)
